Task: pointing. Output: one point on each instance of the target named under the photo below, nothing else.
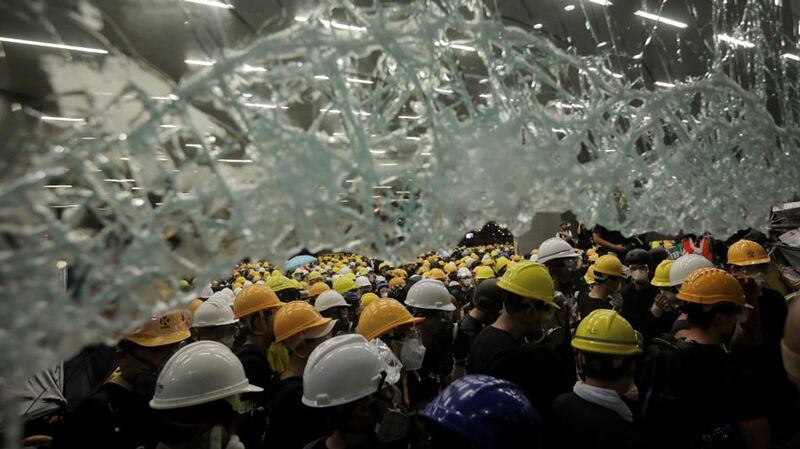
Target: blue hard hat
(488, 412)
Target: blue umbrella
(297, 261)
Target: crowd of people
(481, 348)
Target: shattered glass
(202, 131)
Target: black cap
(637, 257)
(488, 296)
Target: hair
(605, 367)
(514, 303)
(701, 315)
(289, 294)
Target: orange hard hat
(254, 298)
(383, 315)
(747, 252)
(162, 330)
(711, 286)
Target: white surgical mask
(411, 354)
(639, 275)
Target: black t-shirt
(463, 297)
(468, 330)
(253, 427)
(614, 237)
(535, 368)
(577, 423)
(587, 304)
(709, 395)
(636, 305)
(292, 423)
(112, 417)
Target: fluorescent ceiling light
(569, 7)
(193, 145)
(462, 47)
(663, 84)
(265, 106)
(791, 56)
(88, 138)
(443, 91)
(331, 111)
(200, 62)
(563, 105)
(136, 188)
(377, 151)
(236, 161)
(48, 118)
(119, 180)
(388, 164)
(600, 2)
(358, 81)
(362, 113)
(425, 153)
(485, 95)
(57, 186)
(300, 19)
(249, 68)
(413, 138)
(170, 97)
(167, 126)
(656, 18)
(538, 26)
(381, 187)
(211, 3)
(12, 40)
(64, 206)
(602, 44)
(483, 81)
(341, 26)
(735, 41)
(124, 158)
(409, 117)
(321, 77)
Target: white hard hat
(342, 369)
(380, 279)
(686, 265)
(555, 248)
(363, 281)
(225, 296)
(300, 271)
(429, 294)
(344, 271)
(214, 312)
(198, 373)
(463, 273)
(206, 293)
(469, 261)
(329, 299)
(247, 284)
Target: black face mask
(144, 384)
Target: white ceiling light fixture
(791, 56)
(735, 41)
(409, 117)
(378, 152)
(569, 7)
(167, 126)
(50, 118)
(330, 111)
(663, 84)
(321, 77)
(415, 138)
(200, 62)
(235, 161)
(388, 164)
(443, 91)
(213, 3)
(342, 26)
(247, 68)
(601, 2)
(119, 181)
(657, 18)
(265, 106)
(170, 97)
(12, 40)
(57, 186)
(358, 81)
(193, 145)
(538, 26)
(64, 206)
(300, 19)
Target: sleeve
(90, 425)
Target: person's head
(464, 277)
(606, 346)
(684, 266)
(255, 306)
(141, 354)
(198, 395)
(364, 285)
(314, 277)
(482, 412)
(301, 328)
(349, 378)
(608, 273)
(331, 304)
(285, 289)
(790, 344)
(214, 320)
(749, 259)
(528, 298)
(488, 299)
(390, 321)
(714, 303)
(561, 259)
(657, 255)
(638, 263)
(565, 226)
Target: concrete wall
(543, 226)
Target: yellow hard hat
(383, 315)
(162, 330)
(296, 284)
(483, 272)
(661, 277)
(711, 286)
(367, 298)
(279, 283)
(275, 273)
(516, 257)
(299, 316)
(194, 305)
(423, 269)
(606, 332)
(747, 252)
(420, 260)
(240, 280)
(399, 272)
(502, 261)
(254, 298)
(317, 288)
(437, 274)
(609, 265)
(529, 280)
(450, 267)
(487, 261)
(589, 276)
(394, 282)
(314, 275)
(344, 284)
(426, 263)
